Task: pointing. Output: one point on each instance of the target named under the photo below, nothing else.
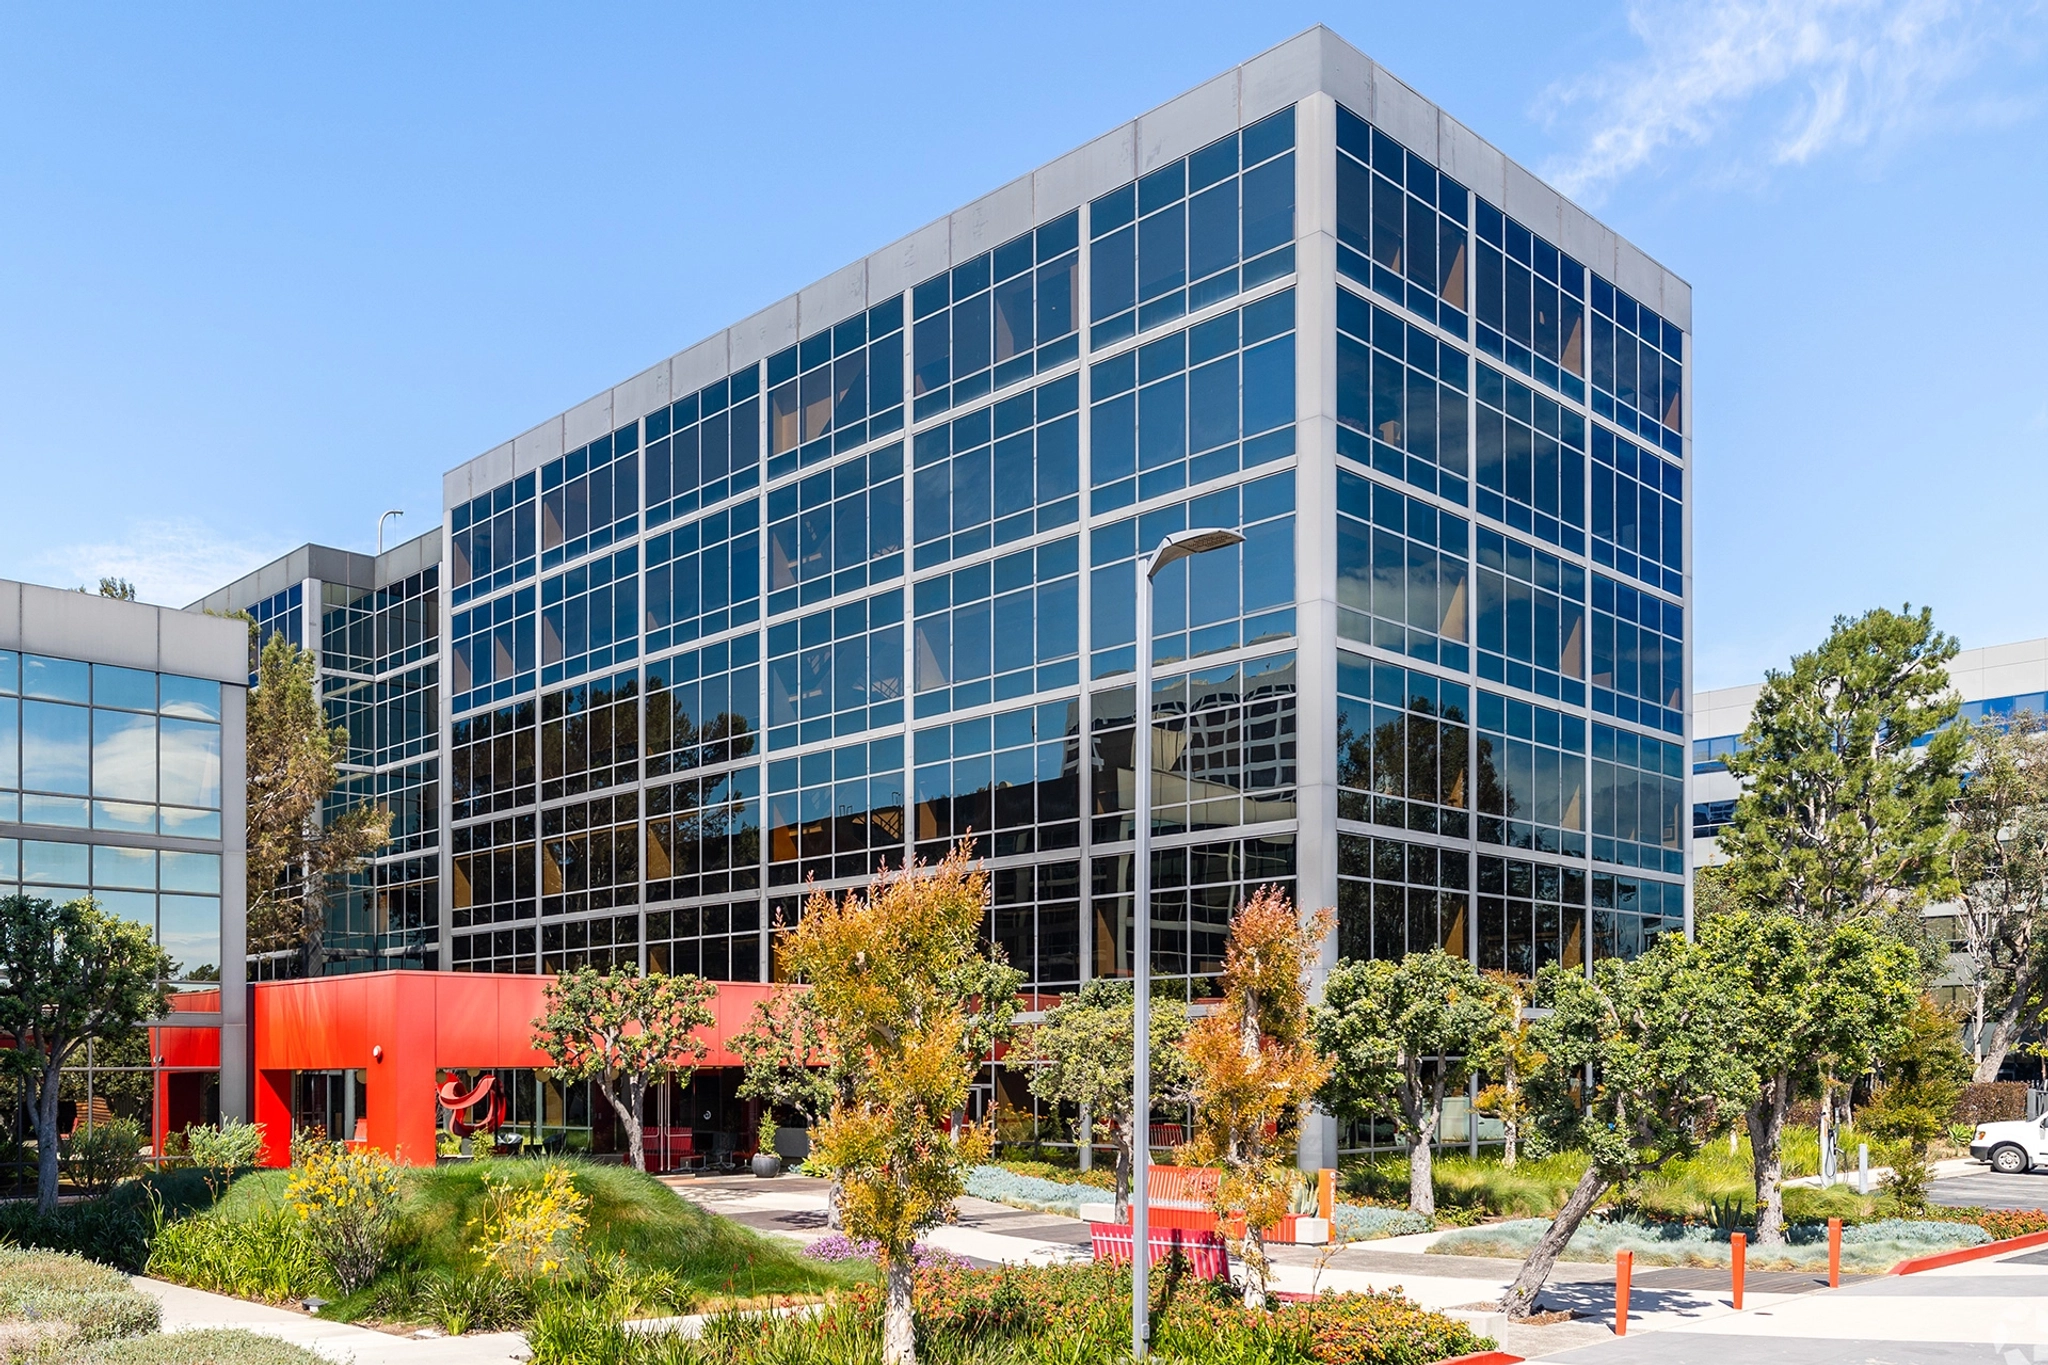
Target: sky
(267, 271)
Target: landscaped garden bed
(1867, 1248)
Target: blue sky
(266, 271)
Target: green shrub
(112, 1229)
(262, 1253)
(348, 1202)
(103, 1154)
(52, 1304)
(220, 1152)
(218, 1346)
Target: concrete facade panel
(701, 365)
(992, 219)
(1182, 125)
(1640, 276)
(1677, 301)
(534, 448)
(1084, 173)
(587, 421)
(1281, 76)
(641, 394)
(1472, 161)
(1404, 115)
(909, 261)
(1586, 240)
(1346, 73)
(1533, 203)
(763, 334)
(835, 298)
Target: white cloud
(1815, 75)
(171, 563)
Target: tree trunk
(1126, 1166)
(2003, 1026)
(899, 1339)
(1520, 1300)
(629, 1118)
(1421, 1174)
(1511, 1127)
(1977, 993)
(1766, 1120)
(46, 1140)
(1257, 1269)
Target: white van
(2012, 1147)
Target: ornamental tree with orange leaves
(908, 1001)
(1255, 1069)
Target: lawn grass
(639, 1231)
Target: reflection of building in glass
(120, 756)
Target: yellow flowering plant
(348, 1203)
(533, 1229)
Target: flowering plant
(348, 1204)
(533, 1229)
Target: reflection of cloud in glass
(191, 764)
(123, 756)
(136, 906)
(55, 748)
(190, 932)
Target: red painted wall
(423, 1022)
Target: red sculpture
(486, 1095)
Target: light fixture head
(1182, 544)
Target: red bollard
(1624, 1266)
(1738, 1253)
(1834, 1253)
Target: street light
(1179, 545)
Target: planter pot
(767, 1165)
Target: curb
(1916, 1264)
(1481, 1358)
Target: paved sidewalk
(188, 1310)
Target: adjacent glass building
(855, 577)
(121, 735)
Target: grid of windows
(1195, 890)
(1402, 748)
(590, 736)
(836, 531)
(1629, 913)
(1011, 780)
(590, 854)
(1223, 749)
(1709, 818)
(836, 671)
(1711, 755)
(1400, 225)
(999, 318)
(1205, 604)
(389, 914)
(365, 630)
(1638, 656)
(590, 497)
(836, 389)
(716, 942)
(504, 950)
(1406, 420)
(999, 629)
(1171, 243)
(388, 719)
(1396, 897)
(704, 836)
(1638, 374)
(1035, 918)
(91, 746)
(174, 894)
(494, 650)
(704, 448)
(589, 616)
(1532, 777)
(835, 812)
(411, 792)
(1172, 413)
(604, 943)
(704, 706)
(491, 761)
(1530, 915)
(1531, 304)
(276, 615)
(993, 477)
(1638, 512)
(1532, 461)
(704, 577)
(1532, 618)
(1638, 791)
(496, 879)
(1402, 573)
(491, 540)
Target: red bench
(1205, 1253)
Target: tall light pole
(1179, 545)
(394, 512)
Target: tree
(1813, 1000)
(1660, 1038)
(74, 974)
(1849, 768)
(1920, 1083)
(293, 852)
(1504, 1053)
(1254, 1068)
(120, 589)
(2000, 865)
(625, 1032)
(905, 995)
(1398, 1034)
(1081, 1055)
(783, 1057)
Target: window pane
(198, 872)
(191, 698)
(54, 747)
(190, 764)
(58, 679)
(128, 688)
(123, 756)
(131, 868)
(190, 933)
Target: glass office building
(120, 747)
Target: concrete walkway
(188, 1310)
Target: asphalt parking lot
(1985, 1188)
